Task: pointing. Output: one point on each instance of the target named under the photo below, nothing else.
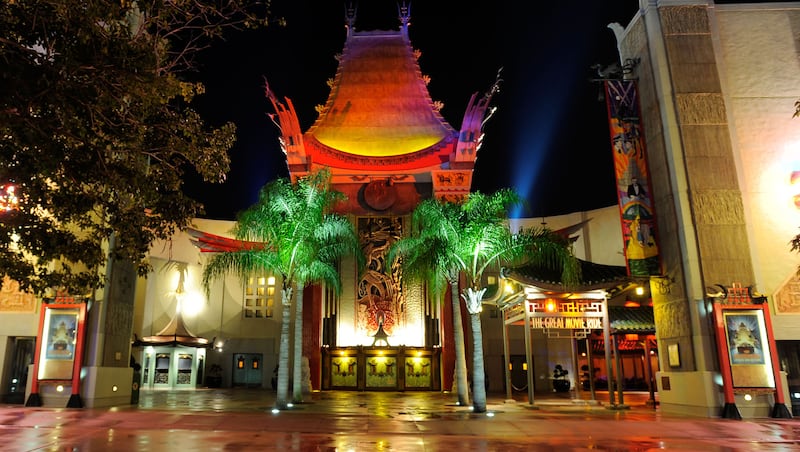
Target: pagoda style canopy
(175, 333)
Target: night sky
(548, 139)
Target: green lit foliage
(468, 240)
(97, 128)
(300, 238)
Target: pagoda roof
(379, 106)
(593, 276)
(175, 333)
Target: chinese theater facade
(387, 148)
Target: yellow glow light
(8, 197)
(192, 303)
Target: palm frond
(242, 263)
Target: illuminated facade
(717, 85)
(718, 90)
(387, 147)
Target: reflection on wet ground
(242, 419)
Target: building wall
(718, 85)
(599, 240)
(217, 314)
(758, 53)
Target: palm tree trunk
(282, 397)
(297, 368)
(478, 375)
(473, 299)
(462, 385)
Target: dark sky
(548, 139)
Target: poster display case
(59, 353)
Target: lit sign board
(570, 323)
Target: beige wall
(760, 64)
(599, 240)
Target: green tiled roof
(593, 276)
(631, 320)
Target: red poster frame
(745, 303)
(43, 337)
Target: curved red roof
(379, 107)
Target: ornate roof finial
(404, 11)
(350, 11)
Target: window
(259, 297)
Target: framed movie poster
(748, 348)
(61, 327)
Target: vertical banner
(633, 179)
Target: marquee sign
(570, 323)
(552, 314)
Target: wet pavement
(243, 420)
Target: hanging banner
(633, 179)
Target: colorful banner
(633, 180)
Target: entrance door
(519, 373)
(23, 347)
(162, 366)
(247, 369)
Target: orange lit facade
(717, 85)
(387, 147)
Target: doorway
(17, 377)
(247, 370)
(519, 373)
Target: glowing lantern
(8, 197)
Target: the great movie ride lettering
(590, 323)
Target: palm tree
(302, 240)
(469, 239)
(427, 256)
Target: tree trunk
(297, 364)
(282, 397)
(462, 385)
(478, 375)
(473, 299)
